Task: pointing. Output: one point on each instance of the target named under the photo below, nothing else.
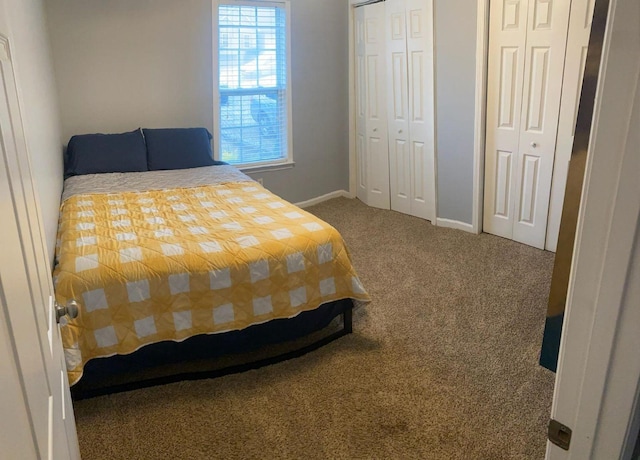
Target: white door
(548, 23)
(400, 168)
(527, 41)
(421, 99)
(28, 316)
(596, 390)
(576, 56)
(376, 138)
(507, 39)
(410, 107)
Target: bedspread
(153, 264)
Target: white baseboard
(325, 197)
(448, 223)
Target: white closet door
(527, 42)
(361, 108)
(507, 39)
(376, 141)
(419, 27)
(400, 164)
(548, 22)
(576, 56)
(411, 106)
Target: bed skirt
(209, 356)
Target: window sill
(266, 167)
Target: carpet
(443, 364)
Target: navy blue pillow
(178, 148)
(106, 153)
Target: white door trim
(596, 392)
(482, 56)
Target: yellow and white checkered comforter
(168, 264)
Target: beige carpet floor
(443, 364)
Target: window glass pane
(228, 15)
(248, 15)
(266, 17)
(253, 127)
(252, 84)
(229, 63)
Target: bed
(155, 258)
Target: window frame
(281, 163)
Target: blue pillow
(106, 153)
(178, 148)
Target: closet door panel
(395, 106)
(419, 187)
(421, 119)
(507, 40)
(377, 141)
(378, 176)
(502, 181)
(398, 106)
(544, 67)
(400, 179)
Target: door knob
(534, 145)
(70, 310)
(375, 130)
(399, 131)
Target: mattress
(168, 255)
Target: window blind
(252, 62)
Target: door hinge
(559, 434)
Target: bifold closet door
(410, 106)
(372, 148)
(527, 41)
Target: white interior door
(507, 40)
(548, 22)
(527, 42)
(28, 314)
(400, 167)
(377, 144)
(576, 56)
(420, 72)
(410, 107)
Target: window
(253, 99)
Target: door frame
(480, 124)
(598, 381)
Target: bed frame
(210, 356)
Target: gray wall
(23, 21)
(121, 64)
(455, 42)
